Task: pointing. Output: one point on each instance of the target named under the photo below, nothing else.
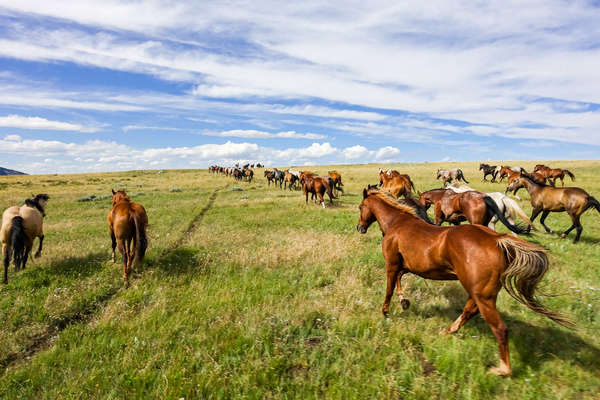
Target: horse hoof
(37, 255)
(498, 371)
(405, 304)
(563, 236)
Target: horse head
(366, 217)
(118, 196)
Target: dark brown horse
(481, 259)
(472, 206)
(127, 222)
(552, 174)
(317, 186)
(546, 199)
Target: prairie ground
(255, 294)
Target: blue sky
(101, 86)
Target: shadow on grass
(534, 344)
(181, 260)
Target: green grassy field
(254, 294)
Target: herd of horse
(483, 260)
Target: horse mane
(35, 202)
(392, 201)
(532, 179)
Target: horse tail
(329, 188)
(592, 202)
(18, 240)
(527, 264)
(514, 208)
(570, 174)
(141, 241)
(412, 185)
(491, 205)
(463, 176)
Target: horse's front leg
(38, 253)
(405, 303)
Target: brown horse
(127, 222)
(539, 178)
(289, 179)
(20, 226)
(337, 180)
(481, 259)
(317, 186)
(472, 206)
(546, 199)
(396, 183)
(552, 174)
(506, 171)
(448, 175)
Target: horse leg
(38, 253)
(392, 276)
(6, 253)
(114, 245)
(403, 302)
(320, 194)
(534, 214)
(125, 256)
(575, 225)
(27, 251)
(487, 307)
(469, 311)
(543, 218)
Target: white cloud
(387, 154)
(18, 121)
(254, 134)
(357, 152)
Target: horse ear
(365, 193)
(113, 191)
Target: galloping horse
(546, 199)
(317, 186)
(395, 183)
(536, 176)
(337, 180)
(20, 227)
(553, 174)
(448, 175)
(127, 222)
(472, 206)
(489, 170)
(481, 259)
(506, 171)
(507, 206)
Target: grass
(257, 295)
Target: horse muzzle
(361, 229)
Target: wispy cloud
(18, 121)
(254, 134)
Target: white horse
(506, 205)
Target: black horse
(489, 170)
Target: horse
(317, 186)
(278, 176)
(506, 171)
(248, 174)
(20, 227)
(448, 175)
(472, 206)
(482, 260)
(290, 180)
(546, 199)
(337, 180)
(552, 174)
(127, 222)
(270, 177)
(396, 183)
(507, 206)
(489, 170)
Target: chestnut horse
(546, 199)
(472, 206)
(552, 174)
(317, 186)
(337, 180)
(20, 226)
(396, 183)
(481, 259)
(127, 222)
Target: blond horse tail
(515, 209)
(527, 264)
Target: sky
(118, 85)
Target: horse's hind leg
(114, 245)
(487, 307)
(576, 224)
(469, 311)
(125, 256)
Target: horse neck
(532, 187)
(386, 215)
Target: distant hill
(6, 171)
